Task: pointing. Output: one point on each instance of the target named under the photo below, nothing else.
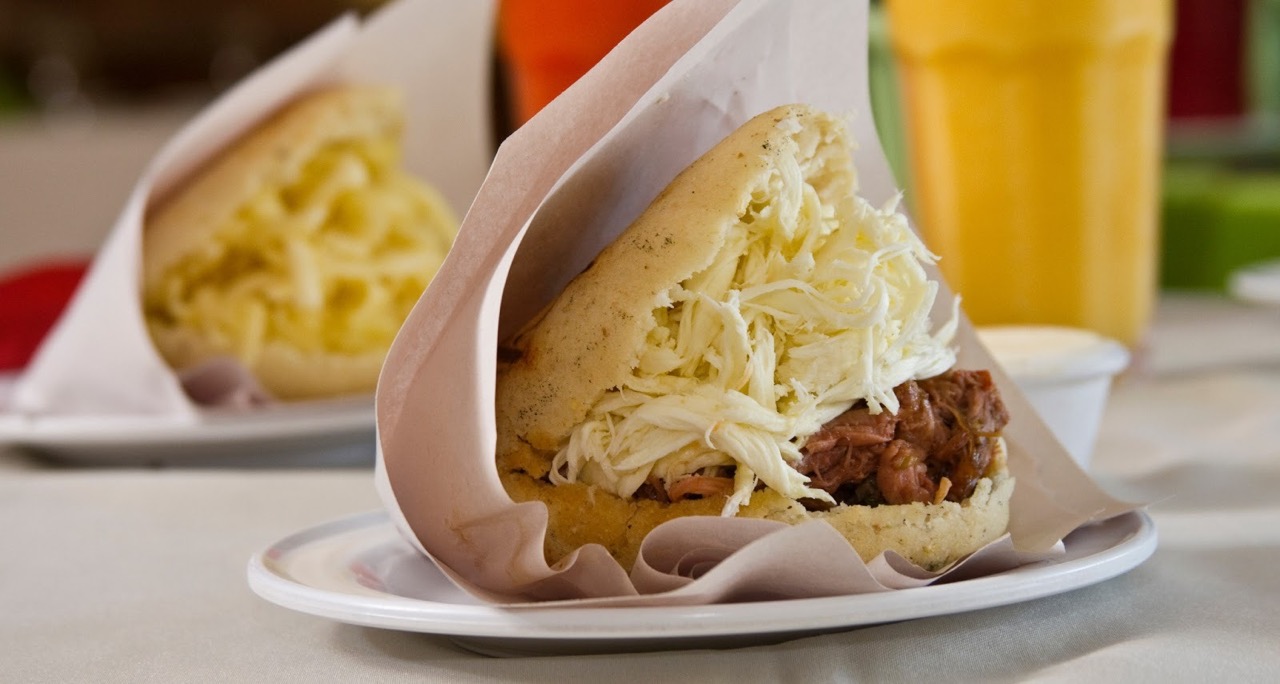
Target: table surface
(138, 574)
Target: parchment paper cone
(562, 187)
(99, 359)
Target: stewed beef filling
(944, 431)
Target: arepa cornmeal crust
(298, 250)
(755, 300)
(933, 536)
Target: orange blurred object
(549, 44)
(1036, 136)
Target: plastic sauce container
(1065, 373)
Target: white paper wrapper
(561, 188)
(99, 359)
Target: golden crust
(932, 536)
(581, 514)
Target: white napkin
(562, 187)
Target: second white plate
(329, 432)
(359, 571)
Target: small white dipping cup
(1065, 373)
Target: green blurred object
(12, 99)
(1187, 216)
(1221, 198)
(1262, 28)
(1217, 218)
(886, 108)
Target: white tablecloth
(137, 575)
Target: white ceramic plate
(359, 571)
(1259, 283)
(332, 432)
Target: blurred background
(1220, 187)
(89, 89)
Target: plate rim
(204, 427)
(556, 622)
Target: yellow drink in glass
(1035, 129)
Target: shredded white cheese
(809, 308)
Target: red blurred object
(30, 302)
(1206, 67)
(549, 44)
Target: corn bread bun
(933, 536)
(299, 250)
(755, 301)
